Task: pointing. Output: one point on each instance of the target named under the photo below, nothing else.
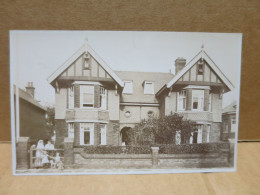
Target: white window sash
(181, 104)
(103, 132)
(200, 100)
(208, 133)
(82, 92)
(91, 141)
(199, 137)
(128, 87)
(148, 88)
(103, 96)
(71, 98)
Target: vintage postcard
(114, 102)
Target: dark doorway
(125, 135)
(195, 136)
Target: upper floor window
(86, 96)
(181, 100)
(148, 87)
(103, 98)
(198, 100)
(71, 97)
(128, 87)
(86, 62)
(200, 68)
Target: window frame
(71, 128)
(105, 135)
(82, 97)
(181, 97)
(202, 68)
(103, 95)
(71, 96)
(202, 103)
(146, 92)
(86, 62)
(124, 89)
(91, 134)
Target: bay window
(71, 130)
(181, 105)
(86, 133)
(86, 96)
(103, 98)
(103, 134)
(71, 97)
(198, 100)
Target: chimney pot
(179, 64)
(30, 89)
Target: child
(58, 162)
(45, 160)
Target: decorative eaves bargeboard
(82, 50)
(205, 56)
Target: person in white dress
(39, 153)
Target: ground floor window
(86, 133)
(103, 134)
(196, 135)
(71, 130)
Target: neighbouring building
(96, 105)
(32, 115)
(229, 122)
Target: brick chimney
(30, 89)
(179, 64)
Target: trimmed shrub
(117, 149)
(193, 148)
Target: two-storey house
(97, 106)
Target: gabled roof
(231, 108)
(29, 98)
(138, 78)
(85, 48)
(205, 56)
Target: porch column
(22, 154)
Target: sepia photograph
(124, 102)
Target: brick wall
(207, 160)
(113, 133)
(215, 132)
(76, 95)
(206, 99)
(189, 97)
(76, 134)
(96, 133)
(61, 132)
(96, 96)
(22, 155)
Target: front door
(195, 137)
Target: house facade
(229, 122)
(97, 106)
(32, 115)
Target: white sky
(37, 54)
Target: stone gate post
(22, 154)
(68, 152)
(155, 151)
